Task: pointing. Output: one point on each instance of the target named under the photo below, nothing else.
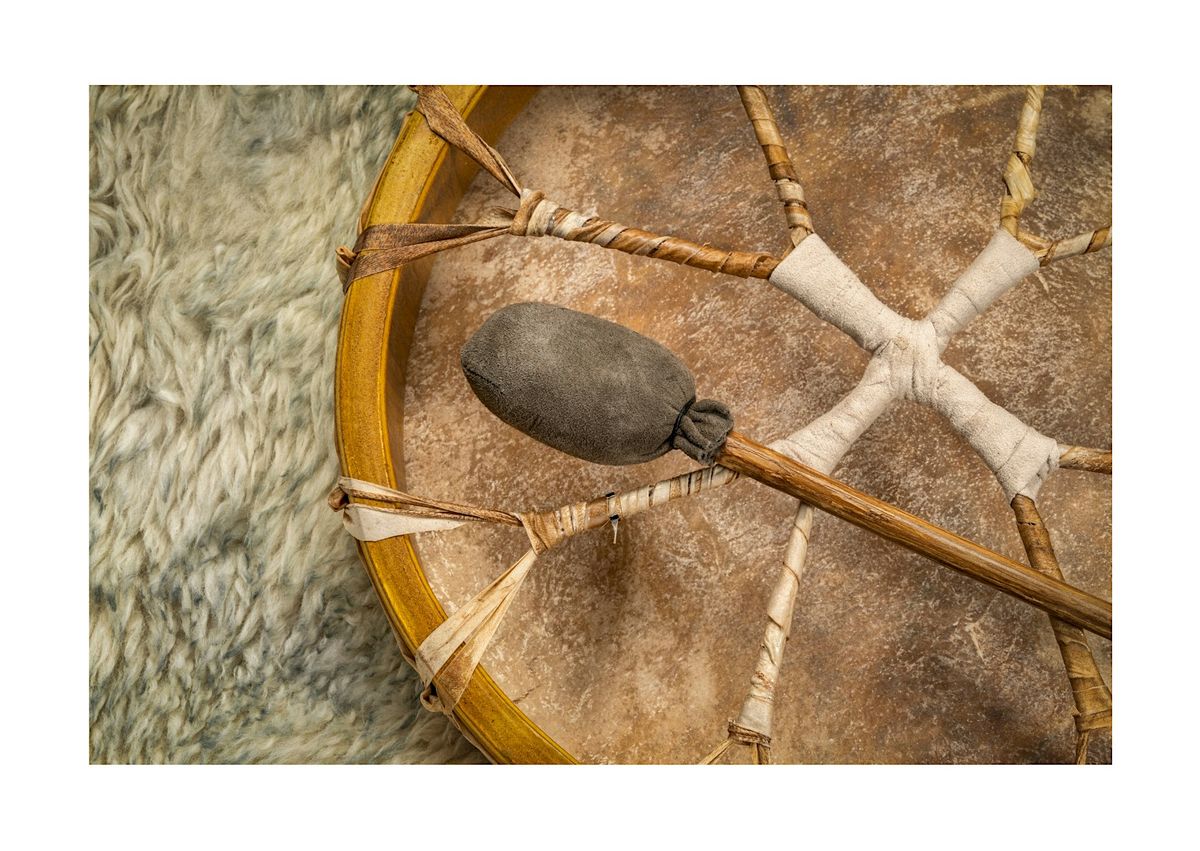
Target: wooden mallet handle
(745, 456)
(605, 393)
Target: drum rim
(422, 179)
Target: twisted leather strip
(388, 246)
(415, 506)
(1018, 182)
(447, 658)
(446, 122)
(1092, 697)
(1094, 721)
(779, 164)
(540, 216)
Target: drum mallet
(606, 394)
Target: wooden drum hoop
(422, 180)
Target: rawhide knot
(431, 701)
(530, 200)
(701, 429)
(747, 736)
(337, 499)
(344, 258)
(537, 215)
(544, 529)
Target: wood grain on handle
(782, 473)
(1083, 458)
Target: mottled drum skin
(641, 651)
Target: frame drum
(641, 650)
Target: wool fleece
(231, 620)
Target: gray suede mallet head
(589, 387)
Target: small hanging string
(615, 517)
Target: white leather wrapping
(999, 267)
(905, 364)
(906, 361)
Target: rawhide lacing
(381, 248)
(906, 364)
(447, 658)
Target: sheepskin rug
(231, 620)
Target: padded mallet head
(589, 387)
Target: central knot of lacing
(906, 361)
(912, 358)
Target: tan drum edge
(422, 181)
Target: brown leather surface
(641, 650)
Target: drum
(639, 643)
